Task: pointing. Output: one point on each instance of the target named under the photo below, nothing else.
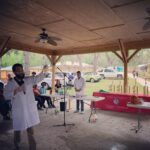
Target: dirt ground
(112, 131)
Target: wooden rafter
(123, 50)
(124, 53)
(53, 59)
(133, 54)
(5, 51)
(58, 58)
(118, 55)
(49, 58)
(3, 46)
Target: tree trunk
(110, 59)
(26, 63)
(80, 62)
(95, 62)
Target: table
(143, 105)
(93, 100)
(118, 102)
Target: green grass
(105, 85)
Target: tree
(95, 61)
(26, 63)
(80, 62)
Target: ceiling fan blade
(56, 38)
(52, 42)
(146, 25)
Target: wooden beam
(49, 58)
(53, 58)
(116, 53)
(125, 77)
(30, 48)
(85, 50)
(122, 48)
(138, 44)
(5, 51)
(58, 58)
(124, 53)
(3, 46)
(133, 54)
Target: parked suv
(91, 77)
(110, 73)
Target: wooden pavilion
(84, 26)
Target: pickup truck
(110, 73)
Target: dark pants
(40, 101)
(4, 108)
(49, 101)
(31, 140)
(78, 105)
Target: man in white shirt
(79, 84)
(24, 110)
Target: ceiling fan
(45, 38)
(147, 24)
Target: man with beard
(24, 110)
(79, 85)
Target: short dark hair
(15, 66)
(78, 71)
(33, 73)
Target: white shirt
(79, 84)
(24, 109)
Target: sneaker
(50, 106)
(17, 147)
(81, 112)
(53, 106)
(40, 108)
(76, 111)
(6, 118)
(44, 106)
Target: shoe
(81, 112)
(40, 108)
(50, 106)
(6, 118)
(17, 147)
(53, 106)
(76, 111)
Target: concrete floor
(110, 132)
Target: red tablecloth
(118, 102)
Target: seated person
(57, 86)
(47, 98)
(4, 104)
(38, 98)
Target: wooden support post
(125, 77)
(133, 54)
(125, 59)
(53, 77)
(53, 59)
(124, 53)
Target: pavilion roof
(85, 26)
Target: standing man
(24, 110)
(79, 84)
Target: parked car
(91, 77)
(58, 76)
(110, 73)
